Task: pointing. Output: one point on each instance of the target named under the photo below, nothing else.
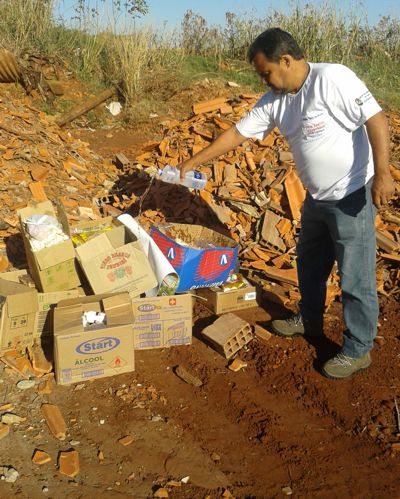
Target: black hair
(274, 43)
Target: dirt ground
(276, 428)
(278, 423)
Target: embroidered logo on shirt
(366, 96)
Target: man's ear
(286, 60)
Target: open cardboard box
(222, 302)
(18, 315)
(53, 268)
(197, 267)
(114, 261)
(46, 303)
(82, 353)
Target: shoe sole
(344, 377)
(283, 335)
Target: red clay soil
(278, 423)
(281, 423)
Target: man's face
(276, 75)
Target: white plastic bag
(41, 227)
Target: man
(340, 142)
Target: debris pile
(39, 161)
(254, 192)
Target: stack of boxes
(110, 273)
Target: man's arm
(383, 186)
(228, 140)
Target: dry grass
(25, 24)
(140, 62)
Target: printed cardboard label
(162, 321)
(110, 269)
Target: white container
(192, 180)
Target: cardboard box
(197, 268)
(93, 352)
(46, 303)
(162, 321)
(114, 261)
(18, 310)
(221, 302)
(53, 268)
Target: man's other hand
(383, 188)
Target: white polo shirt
(323, 124)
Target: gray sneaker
(342, 366)
(296, 325)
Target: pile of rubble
(38, 161)
(255, 193)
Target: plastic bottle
(169, 174)
(195, 180)
(192, 180)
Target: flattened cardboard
(15, 276)
(18, 315)
(162, 321)
(53, 268)
(197, 268)
(115, 262)
(222, 302)
(90, 353)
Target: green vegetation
(150, 64)
(195, 67)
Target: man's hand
(184, 167)
(378, 134)
(382, 190)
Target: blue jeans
(343, 231)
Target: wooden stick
(85, 106)
(397, 414)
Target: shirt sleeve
(258, 122)
(347, 97)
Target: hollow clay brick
(121, 161)
(228, 334)
(54, 420)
